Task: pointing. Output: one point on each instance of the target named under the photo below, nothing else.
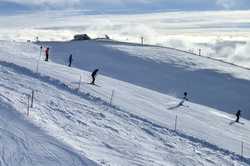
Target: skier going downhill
(238, 115)
(70, 60)
(47, 54)
(185, 98)
(93, 75)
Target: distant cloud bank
(221, 34)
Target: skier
(93, 75)
(238, 115)
(183, 99)
(185, 96)
(70, 60)
(47, 54)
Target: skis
(178, 106)
(234, 122)
(94, 84)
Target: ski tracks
(155, 131)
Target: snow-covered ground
(24, 144)
(208, 82)
(136, 128)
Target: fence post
(32, 98)
(37, 66)
(111, 98)
(176, 120)
(38, 60)
(199, 52)
(80, 81)
(242, 150)
(28, 106)
(142, 41)
(41, 49)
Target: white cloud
(218, 33)
(228, 4)
(232, 4)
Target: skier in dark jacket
(185, 96)
(238, 115)
(70, 60)
(93, 75)
(183, 99)
(47, 54)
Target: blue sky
(10, 6)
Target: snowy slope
(135, 129)
(22, 143)
(211, 83)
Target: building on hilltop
(81, 37)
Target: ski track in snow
(23, 144)
(166, 70)
(94, 119)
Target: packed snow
(208, 82)
(134, 126)
(23, 143)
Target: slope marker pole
(142, 41)
(37, 66)
(242, 150)
(38, 60)
(112, 96)
(80, 81)
(175, 126)
(28, 106)
(32, 98)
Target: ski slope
(208, 82)
(24, 144)
(136, 128)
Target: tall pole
(80, 81)
(142, 41)
(28, 106)
(111, 98)
(41, 49)
(32, 98)
(37, 64)
(242, 149)
(175, 126)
